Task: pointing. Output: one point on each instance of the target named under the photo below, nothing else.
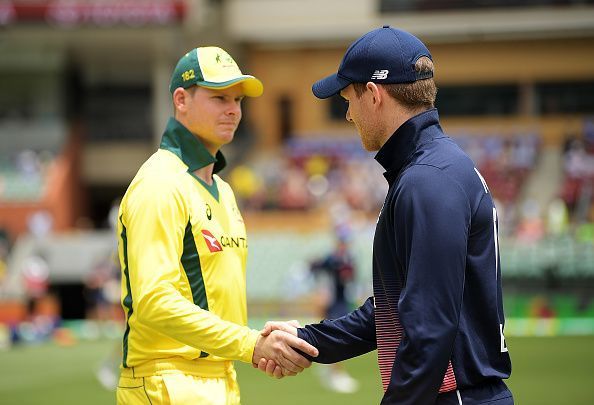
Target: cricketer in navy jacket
(436, 317)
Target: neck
(205, 173)
(398, 116)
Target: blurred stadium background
(84, 99)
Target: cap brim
(329, 86)
(252, 87)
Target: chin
(370, 146)
(227, 137)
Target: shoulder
(220, 182)
(425, 177)
(159, 182)
(428, 184)
(225, 189)
(162, 171)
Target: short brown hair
(419, 94)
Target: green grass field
(551, 371)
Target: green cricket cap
(213, 68)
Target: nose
(234, 109)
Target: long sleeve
(343, 338)
(431, 217)
(153, 225)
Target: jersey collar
(398, 149)
(178, 140)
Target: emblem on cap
(380, 74)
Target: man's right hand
(276, 347)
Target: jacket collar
(180, 141)
(398, 149)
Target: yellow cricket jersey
(183, 249)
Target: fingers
(278, 372)
(302, 345)
(288, 358)
(295, 323)
(279, 346)
(267, 329)
(290, 362)
(271, 369)
(262, 365)
(284, 373)
(289, 327)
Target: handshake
(275, 352)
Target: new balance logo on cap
(380, 74)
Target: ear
(180, 99)
(375, 93)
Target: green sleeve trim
(127, 302)
(191, 263)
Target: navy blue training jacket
(436, 317)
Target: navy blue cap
(384, 55)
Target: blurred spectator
(505, 161)
(557, 218)
(43, 309)
(3, 264)
(103, 283)
(339, 266)
(102, 290)
(36, 279)
(4, 250)
(40, 223)
(293, 194)
(531, 227)
(577, 191)
(248, 186)
(27, 162)
(540, 307)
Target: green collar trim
(211, 188)
(180, 141)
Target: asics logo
(380, 74)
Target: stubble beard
(370, 140)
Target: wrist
(256, 355)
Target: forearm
(343, 338)
(169, 313)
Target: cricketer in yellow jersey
(183, 248)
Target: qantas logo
(211, 242)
